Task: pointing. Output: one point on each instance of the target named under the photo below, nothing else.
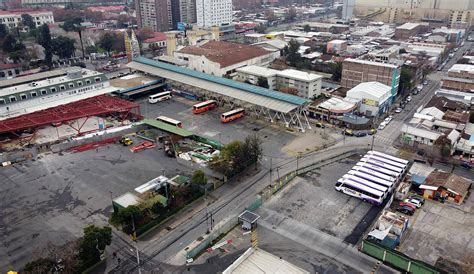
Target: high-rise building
(347, 9)
(213, 12)
(246, 4)
(183, 11)
(154, 14)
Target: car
(413, 201)
(418, 198)
(425, 83)
(408, 98)
(372, 131)
(319, 124)
(360, 133)
(348, 132)
(406, 210)
(382, 126)
(466, 165)
(388, 119)
(398, 110)
(407, 205)
(126, 141)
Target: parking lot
(51, 199)
(312, 200)
(442, 235)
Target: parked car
(406, 210)
(388, 119)
(408, 205)
(417, 197)
(408, 98)
(319, 124)
(425, 82)
(466, 165)
(360, 133)
(413, 201)
(372, 131)
(398, 110)
(348, 132)
(382, 126)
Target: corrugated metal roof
(35, 77)
(168, 128)
(227, 82)
(371, 90)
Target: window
(12, 99)
(53, 90)
(97, 79)
(88, 81)
(43, 92)
(34, 94)
(62, 87)
(23, 96)
(79, 83)
(2, 102)
(71, 85)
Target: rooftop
(459, 68)
(428, 134)
(9, 66)
(226, 53)
(337, 105)
(168, 128)
(34, 77)
(23, 11)
(260, 261)
(157, 37)
(47, 82)
(366, 62)
(408, 26)
(127, 199)
(450, 181)
(258, 70)
(373, 90)
(337, 41)
(299, 75)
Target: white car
(388, 119)
(414, 202)
(408, 98)
(425, 83)
(398, 110)
(382, 125)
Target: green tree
(28, 21)
(262, 82)
(92, 245)
(73, 24)
(41, 265)
(336, 70)
(106, 42)
(9, 44)
(63, 47)
(406, 77)
(3, 31)
(199, 178)
(44, 39)
(90, 49)
(292, 55)
(306, 28)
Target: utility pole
(271, 170)
(372, 146)
(134, 237)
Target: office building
(213, 12)
(355, 71)
(11, 18)
(154, 14)
(460, 77)
(347, 9)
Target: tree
(63, 47)
(262, 82)
(90, 49)
(106, 42)
(336, 70)
(3, 31)
(74, 24)
(41, 265)
(9, 44)
(292, 55)
(44, 39)
(406, 77)
(28, 21)
(290, 14)
(92, 245)
(122, 21)
(306, 28)
(199, 178)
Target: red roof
(226, 53)
(157, 37)
(9, 66)
(22, 11)
(107, 8)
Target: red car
(410, 205)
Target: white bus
(169, 121)
(375, 174)
(360, 191)
(388, 162)
(379, 169)
(368, 183)
(373, 179)
(382, 164)
(389, 157)
(162, 96)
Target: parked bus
(373, 179)
(162, 96)
(204, 106)
(389, 157)
(368, 183)
(380, 169)
(382, 164)
(232, 115)
(388, 162)
(375, 174)
(359, 191)
(169, 121)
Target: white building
(307, 85)
(12, 18)
(220, 58)
(213, 12)
(374, 96)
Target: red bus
(204, 106)
(232, 115)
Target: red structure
(95, 106)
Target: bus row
(201, 107)
(373, 178)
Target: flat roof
(366, 62)
(168, 128)
(258, 70)
(249, 216)
(34, 77)
(299, 75)
(255, 95)
(260, 261)
(462, 67)
(127, 199)
(408, 26)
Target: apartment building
(355, 71)
(213, 12)
(154, 14)
(11, 18)
(407, 30)
(460, 77)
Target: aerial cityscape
(237, 136)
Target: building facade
(374, 98)
(213, 12)
(460, 77)
(154, 14)
(11, 18)
(355, 71)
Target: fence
(396, 259)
